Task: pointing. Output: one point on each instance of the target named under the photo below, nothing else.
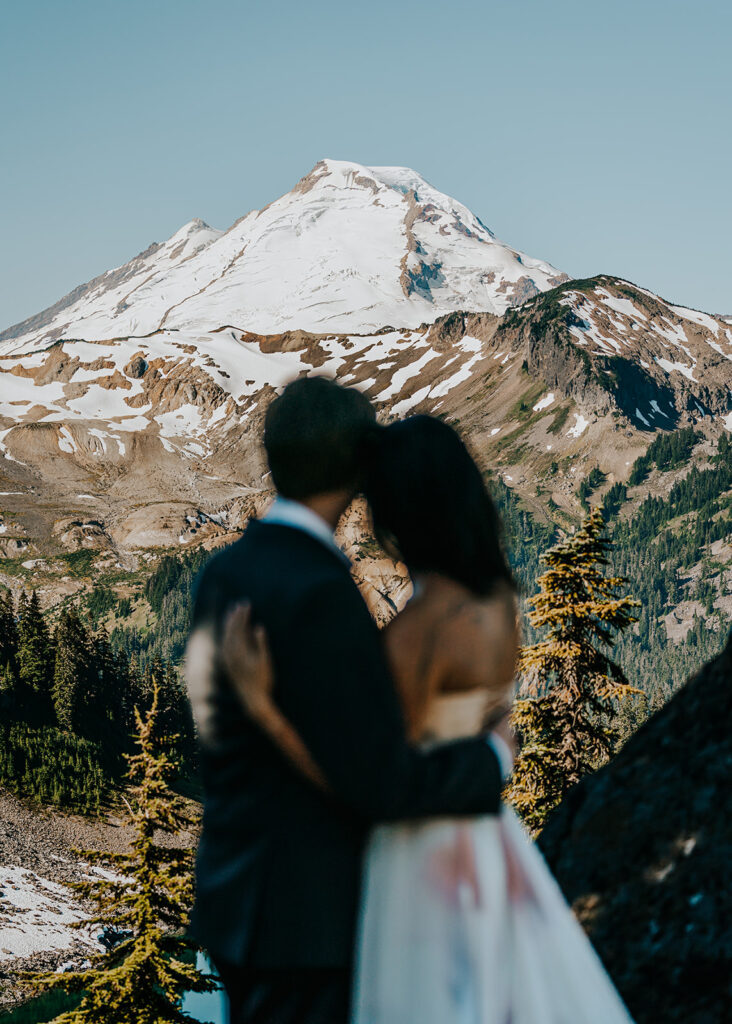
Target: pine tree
(35, 664)
(176, 716)
(71, 673)
(144, 977)
(174, 710)
(112, 720)
(124, 688)
(104, 676)
(8, 643)
(575, 686)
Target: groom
(279, 861)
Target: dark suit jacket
(279, 862)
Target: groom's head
(312, 434)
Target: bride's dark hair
(428, 496)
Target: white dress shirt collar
(284, 512)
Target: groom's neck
(330, 506)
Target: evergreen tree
(45, 764)
(72, 673)
(174, 719)
(144, 977)
(8, 643)
(109, 694)
(34, 657)
(103, 678)
(125, 691)
(633, 711)
(575, 684)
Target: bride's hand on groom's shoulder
(246, 659)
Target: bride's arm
(246, 658)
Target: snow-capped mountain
(130, 412)
(349, 249)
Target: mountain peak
(346, 174)
(191, 228)
(350, 248)
(194, 235)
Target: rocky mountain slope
(642, 850)
(135, 443)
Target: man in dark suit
(279, 861)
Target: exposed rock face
(612, 345)
(643, 850)
(136, 367)
(77, 534)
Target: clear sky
(595, 135)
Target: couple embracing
(356, 865)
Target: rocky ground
(38, 913)
(643, 850)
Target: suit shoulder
(332, 597)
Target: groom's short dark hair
(312, 435)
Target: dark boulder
(643, 851)
(136, 367)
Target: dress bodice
(455, 715)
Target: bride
(461, 922)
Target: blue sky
(594, 135)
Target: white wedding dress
(463, 923)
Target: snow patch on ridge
(703, 319)
(687, 371)
(624, 306)
(580, 425)
(42, 917)
(544, 403)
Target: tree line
(67, 703)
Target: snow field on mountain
(37, 915)
(669, 367)
(580, 425)
(544, 403)
(620, 305)
(239, 366)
